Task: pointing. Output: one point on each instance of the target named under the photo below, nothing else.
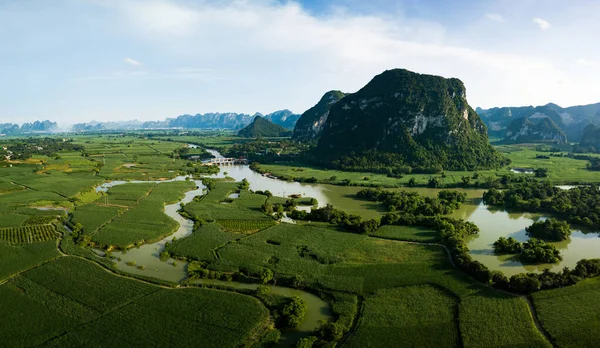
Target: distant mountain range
(571, 121)
(35, 127)
(232, 121)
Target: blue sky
(81, 60)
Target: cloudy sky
(81, 60)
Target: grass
(72, 302)
(570, 314)
(418, 316)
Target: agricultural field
(70, 302)
(392, 286)
(217, 206)
(363, 265)
(203, 242)
(416, 316)
(242, 226)
(570, 314)
(93, 216)
(143, 221)
(19, 258)
(28, 234)
(560, 169)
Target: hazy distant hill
(406, 118)
(571, 120)
(35, 127)
(231, 120)
(261, 127)
(530, 129)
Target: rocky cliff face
(590, 142)
(532, 129)
(409, 118)
(309, 126)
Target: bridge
(223, 161)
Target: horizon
(77, 61)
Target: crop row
(39, 220)
(245, 226)
(27, 234)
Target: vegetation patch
(421, 315)
(245, 226)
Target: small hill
(262, 127)
(402, 118)
(309, 126)
(590, 142)
(532, 129)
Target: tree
(266, 275)
(550, 229)
(293, 312)
(306, 342)
(465, 181)
(524, 284)
(330, 332)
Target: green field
(71, 302)
(560, 169)
(392, 287)
(19, 258)
(364, 266)
(415, 316)
(144, 220)
(570, 315)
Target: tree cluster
(579, 205)
(550, 229)
(413, 203)
(349, 222)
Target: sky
(75, 61)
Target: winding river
(148, 255)
(493, 224)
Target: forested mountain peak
(406, 118)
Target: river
(493, 224)
(148, 255)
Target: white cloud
(496, 17)
(587, 63)
(132, 62)
(544, 24)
